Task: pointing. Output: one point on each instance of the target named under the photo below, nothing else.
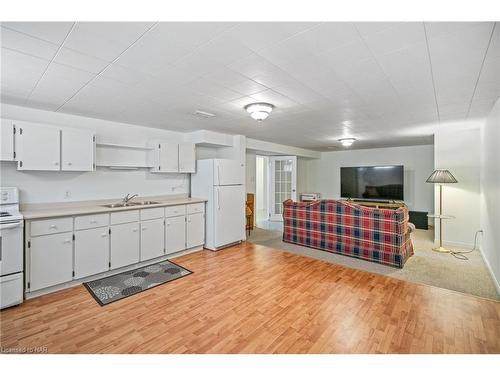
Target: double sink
(129, 204)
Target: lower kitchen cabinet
(51, 260)
(175, 234)
(152, 239)
(91, 251)
(195, 230)
(124, 244)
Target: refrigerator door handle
(218, 175)
(218, 199)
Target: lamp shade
(441, 176)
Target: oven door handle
(10, 226)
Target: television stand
(392, 204)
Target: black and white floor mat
(113, 288)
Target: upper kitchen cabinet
(77, 150)
(174, 157)
(187, 157)
(7, 140)
(38, 147)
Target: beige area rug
(425, 266)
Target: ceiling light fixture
(259, 111)
(346, 142)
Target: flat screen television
(380, 182)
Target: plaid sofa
(377, 235)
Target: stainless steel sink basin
(145, 203)
(118, 205)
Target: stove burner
(3, 214)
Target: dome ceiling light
(346, 142)
(259, 111)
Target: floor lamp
(441, 176)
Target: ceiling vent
(203, 114)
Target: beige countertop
(49, 210)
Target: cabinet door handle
(93, 221)
(56, 163)
(69, 163)
(144, 228)
(134, 230)
(104, 235)
(53, 226)
(67, 241)
(168, 224)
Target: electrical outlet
(67, 194)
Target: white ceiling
(373, 81)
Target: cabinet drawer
(50, 226)
(195, 208)
(124, 217)
(175, 211)
(91, 221)
(152, 213)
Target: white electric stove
(11, 248)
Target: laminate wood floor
(255, 299)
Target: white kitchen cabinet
(38, 147)
(125, 244)
(7, 140)
(152, 239)
(195, 230)
(91, 251)
(77, 150)
(51, 260)
(166, 158)
(187, 157)
(175, 234)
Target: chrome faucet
(128, 198)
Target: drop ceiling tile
(27, 44)
(260, 35)
(53, 32)
(278, 100)
(299, 93)
(400, 36)
(124, 75)
(209, 88)
(438, 29)
(80, 61)
(58, 84)
(105, 40)
(370, 28)
(224, 49)
(168, 42)
(20, 72)
(342, 58)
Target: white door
(229, 214)
(195, 230)
(91, 251)
(175, 234)
(168, 157)
(77, 150)
(187, 157)
(282, 184)
(51, 260)
(38, 147)
(228, 172)
(152, 239)
(124, 244)
(7, 140)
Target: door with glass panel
(282, 184)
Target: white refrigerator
(221, 183)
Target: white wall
(490, 192)
(323, 175)
(457, 148)
(251, 171)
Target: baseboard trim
(490, 270)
